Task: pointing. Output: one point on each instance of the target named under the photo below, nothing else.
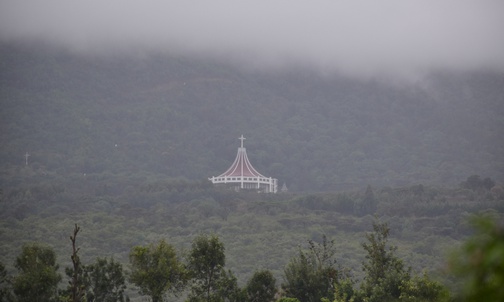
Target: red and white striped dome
(241, 165)
(243, 173)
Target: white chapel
(243, 176)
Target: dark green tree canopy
(261, 287)
(105, 281)
(480, 262)
(207, 256)
(311, 275)
(156, 270)
(210, 282)
(38, 274)
(384, 271)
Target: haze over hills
(114, 114)
(163, 116)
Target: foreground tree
(480, 263)
(384, 271)
(228, 289)
(105, 281)
(101, 281)
(261, 287)
(156, 270)
(210, 282)
(311, 275)
(76, 288)
(387, 279)
(38, 274)
(420, 289)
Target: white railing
(242, 180)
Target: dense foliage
(481, 262)
(310, 276)
(121, 146)
(38, 277)
(425, 221)
(105, 281)
(261, 287)
(156, 270)
(384, 271)
(206, 264)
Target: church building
(243, 176)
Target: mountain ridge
(168, 116)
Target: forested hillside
(132, 118)
(122, 145)
(258, 231)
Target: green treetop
(156, 270)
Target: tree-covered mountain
(259, 231)
(154, 116)
(122, 145)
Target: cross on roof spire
(242, 175)
(242, 139)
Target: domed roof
(242, 175)
(241, 165)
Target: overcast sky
(351, 36)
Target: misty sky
(359, 37)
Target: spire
(243, 173)
(241, 165)
(242, 139)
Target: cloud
(359, 37)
